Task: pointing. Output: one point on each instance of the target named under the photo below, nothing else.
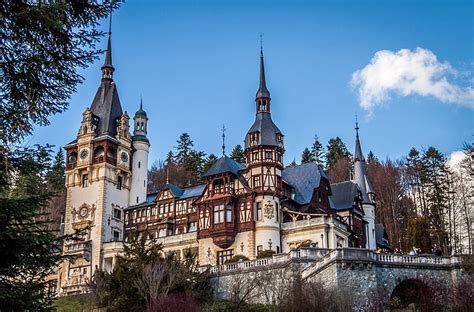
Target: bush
(236, 258)
(265, 254)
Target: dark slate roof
(222, 165)
(343, 195)
(193, 191)
(106, 106)
(262, 91)
(304, 179)
(267, 129)
(150, 198)
(177, 191)
(381, 237)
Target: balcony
(223, 234)
(79, 249)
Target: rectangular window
(259, 211)
(85, 180)
(139, 164)
(268, 155)
(192, 227)
(162, 210)
(228, 213)
(278, 249)
(119, 183)
(116, 235)
(218, 214)
(137, 199)
(255, 156)
(259, 249)
(223, 256)
(117, 214)
(256, 181)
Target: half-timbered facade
(238, 209)
(245, 209)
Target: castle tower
(264, 151)
(368, 196)
(98, 182)
(141, 147)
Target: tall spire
(108, 68)
(358, 156)
(262, 88)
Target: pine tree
(210, 160)
(195, 164)
(371, 158)
(170, 159)
(336, 150)
(56, 175)
(30, 249)
(184, 148)
(44, 45)
(293, 163)
(437, 194)
(317, 151)
(237, 154)
(306, 157)
(418, 235)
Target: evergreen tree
(56, 176)
(237, 154)
(184, 148)
(336, 150)
(306, 157)
(210, 160)
(44, 43)
(170, 159)
(30, 250)
(371, 158)
(317, 151)
(195, 164)
(437, 194)
(293, 163)
(418, 235)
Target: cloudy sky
(405, 67)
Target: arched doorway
(411, 293)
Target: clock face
(83, 212)
(124, 156)
(72, 158)
(84, 153)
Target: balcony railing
(78, 249)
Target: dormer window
(218, 186)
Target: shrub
(265, 254)
(236, 258)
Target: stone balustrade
(321, 257)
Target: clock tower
(98, 182)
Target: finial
(261, 44)
(141, 102)
(357, 123)
(110, 24)
(167, 175)
(223, 139)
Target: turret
(264, 165)
(361, 178)
(141, 147)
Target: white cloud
(407, 73)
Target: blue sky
(196, 65)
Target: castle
(239, 209)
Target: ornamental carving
(268, 211)
(85, 214)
